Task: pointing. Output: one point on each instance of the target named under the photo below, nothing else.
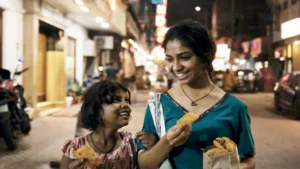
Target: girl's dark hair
(99, 94)
(195, 36)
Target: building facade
(286, 35)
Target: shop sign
(53, 14)
(290, 28)
(104, 42)
(155, 2)
(256, 47)
(161, 21)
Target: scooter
(13, 117)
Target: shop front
(287, 47)
(53, 51)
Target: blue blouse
(227, 118)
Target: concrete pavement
(277, 137)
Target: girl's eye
(116, 100)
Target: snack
(221, 145)
(87, 152)
(188, 118)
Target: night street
(276, 137)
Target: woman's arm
(248, 163)
(154, 157)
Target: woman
(189, 54)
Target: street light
(197, 8)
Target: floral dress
(124, 157)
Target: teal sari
(227, 118)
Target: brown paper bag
(225, 160)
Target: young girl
(106, 108)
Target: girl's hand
(77, 164)
(178, 134)
(148, 139)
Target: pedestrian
(111, 71)
(189, 54)
(106, 108)
(228, 81)
(170, 78)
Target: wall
(80, 34)
(293, 11)
(12, 34)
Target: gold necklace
(193, 103)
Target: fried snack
(84, 152)
(221, 145)
(93, 162)
(87, 152)
(188, 118)
(226, 143)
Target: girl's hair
(193, 35)
(99, 94)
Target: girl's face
(118, 113)
(183, 63)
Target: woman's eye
(169, 59)
(185, 58)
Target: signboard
(155, 2)
(290, 28)
(104, 42)
(161, 21)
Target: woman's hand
(178, 134)
(148, 139)
(77, 164)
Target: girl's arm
(154, 157)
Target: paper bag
(225, 160)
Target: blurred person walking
(228, 81)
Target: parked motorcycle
(13, 117)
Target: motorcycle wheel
(26, 127)
(8, 135)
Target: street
(276, 136)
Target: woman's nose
(177, 66)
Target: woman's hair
(99, 94)
(193, 35)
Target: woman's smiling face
(183, 63)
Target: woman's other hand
(148, 139)
(178, 134)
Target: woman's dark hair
(195, 36)
(99, 94)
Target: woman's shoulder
(235, 102)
